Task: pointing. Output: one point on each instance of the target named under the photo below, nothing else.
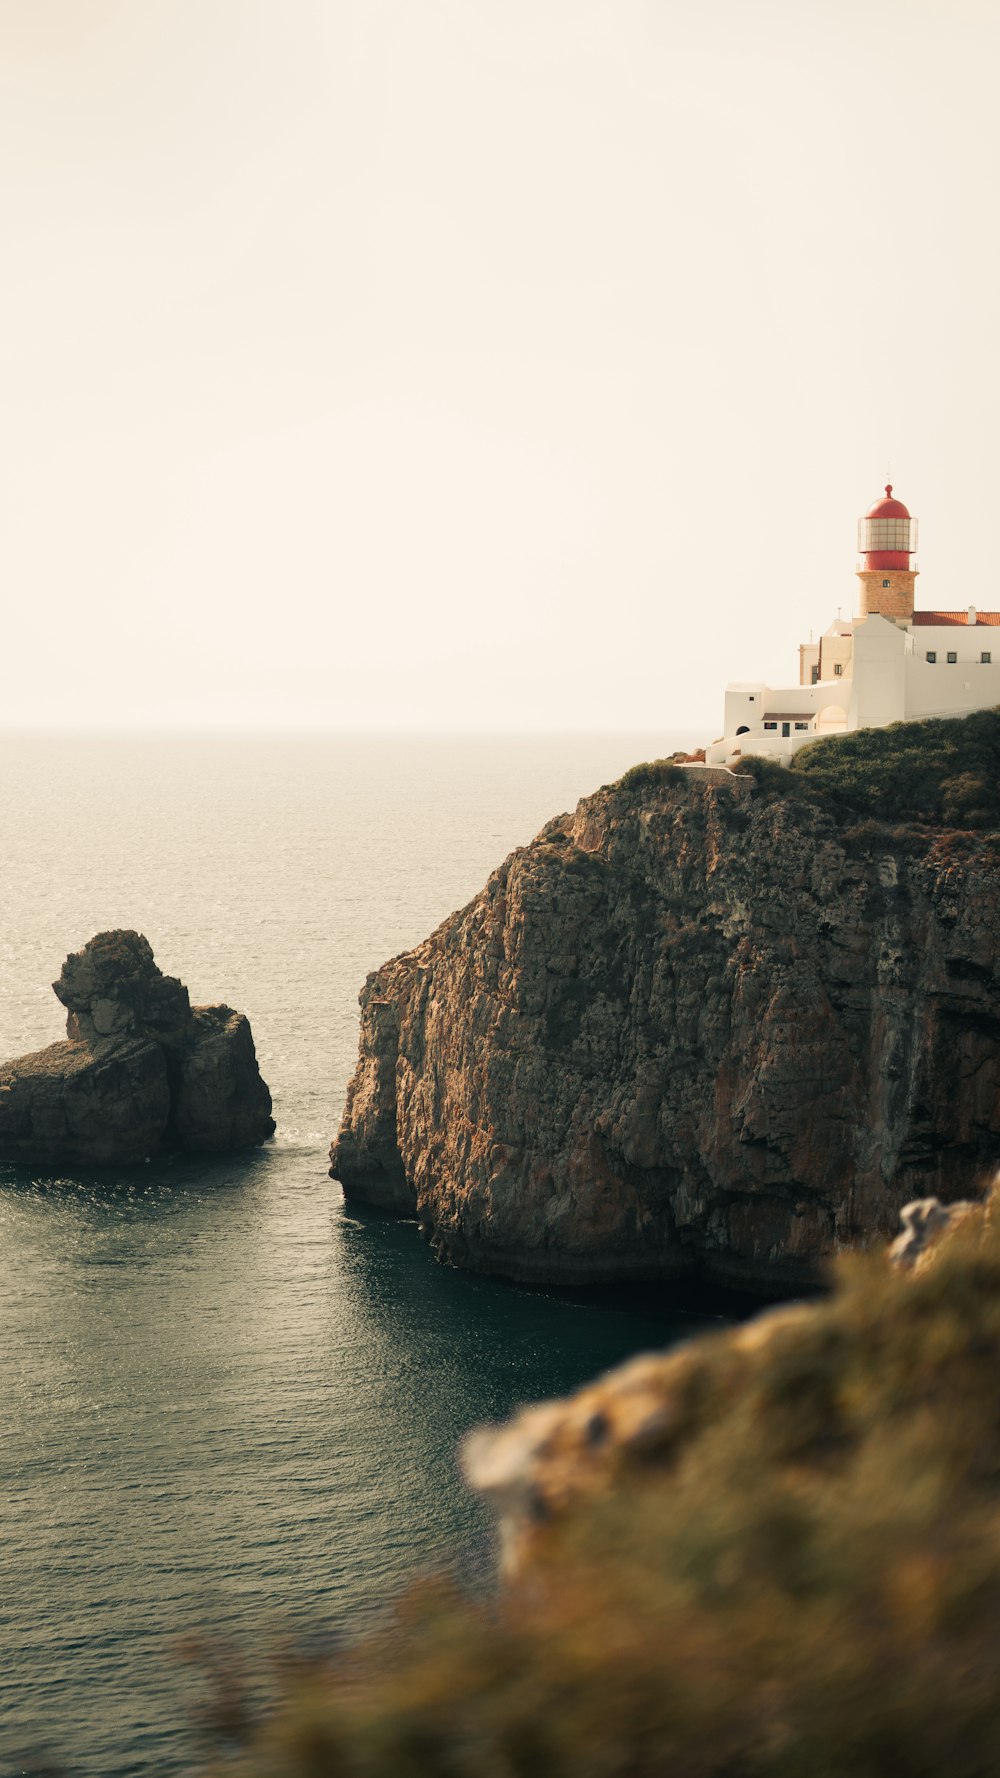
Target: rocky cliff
(141, 1070)
(701, 1026)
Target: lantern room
(887, 536)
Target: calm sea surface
(228, 1402)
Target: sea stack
(707, 1026)
(141, 1072)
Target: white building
(888, 664)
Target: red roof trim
(948, 619)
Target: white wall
(745, 706)
(878, 688)
(774, 745)
(968, 641)
(944, 690)
(749, 706)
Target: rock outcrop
(700, 1026)
(141, 1071)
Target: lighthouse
(890, 663)
(887, 542)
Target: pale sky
(480, 363)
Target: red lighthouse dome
(887, 536)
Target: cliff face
(141, 1070)
(694, 1027)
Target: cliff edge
(707, 1024)
(141, 1070)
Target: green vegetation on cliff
(650, 774)
(773, 1554)
(945, 771)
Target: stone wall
(877, 600)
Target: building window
(770, 725)
(885, 583)
(952, 658)
(932, 655)
(802, 725)
(838, 670)
(985, 658)
(815, 676)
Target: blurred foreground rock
(923, 1222)
(771, 1553)
(141, 1071)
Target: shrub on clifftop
(945, 771)
(772, 1554)
(649, 775)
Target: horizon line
(301, 731)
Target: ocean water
(229, 1403)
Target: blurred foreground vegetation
(794, 1572)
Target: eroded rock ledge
(142, 1070)
(696, 1027)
